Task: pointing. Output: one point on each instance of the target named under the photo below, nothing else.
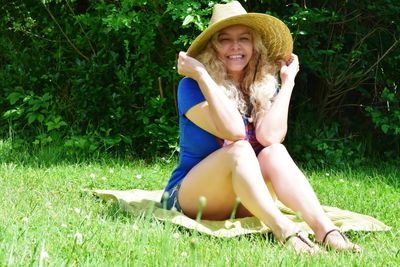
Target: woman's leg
(294, 190)
(229, 172)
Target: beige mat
(141, 201)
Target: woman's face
(235, 48)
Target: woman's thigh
(212, 178)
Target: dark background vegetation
(97, 76)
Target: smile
(236, 57)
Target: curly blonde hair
(259, 85)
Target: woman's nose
(235, 44)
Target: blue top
(196, 143)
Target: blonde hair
(259, 84)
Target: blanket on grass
(138, 201)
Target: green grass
(46, 219)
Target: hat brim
(274, 33)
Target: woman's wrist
(288, 83)
(201, 75)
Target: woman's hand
(289, 69)
(190, 67)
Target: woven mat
(138, 201)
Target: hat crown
(224, 11)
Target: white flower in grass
(373, 192)
(78, 238)
(138, 176)
(49, 205)
(43, 256)
(63, 225)
(77, 210)
(184, 254)
(327, 174)
(111, 171)
(341, 180)
(175, 235)
(135, 227)
(92, 175)
(25, 220)
(104, 178)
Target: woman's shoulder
(189, 92)
(188, 86)
(187, 81)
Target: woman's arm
(271, 125)
(217, 115)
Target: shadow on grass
(57, 154)
(387, 172)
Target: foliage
(387, 115)
(100, 75)
(343, 45)
(325, 146)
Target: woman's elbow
(240, 136)
(234, 134)
(270, 140)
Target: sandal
(312, 248)
(354, 248)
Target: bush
(100, 75)
(95, 67)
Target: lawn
(46, 219)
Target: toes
(314, 250)
(356, 248)
(301, 244)
(339, 243)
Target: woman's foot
(336, 240)
(300, 243)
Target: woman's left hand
(289, 69)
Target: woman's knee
(240, 148)
(240, 152)
(272, 151)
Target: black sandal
(305, 240)
(355, 248)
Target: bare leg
(230, 171)
(294, 190)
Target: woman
(232, 123)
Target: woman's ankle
(321, 230)
(284, 229)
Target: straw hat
(274, 33)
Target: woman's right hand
(189, 66)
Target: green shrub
(101, 76)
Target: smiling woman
(244, 63)
(232, 123)
(234, 49)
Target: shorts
(172, 202)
